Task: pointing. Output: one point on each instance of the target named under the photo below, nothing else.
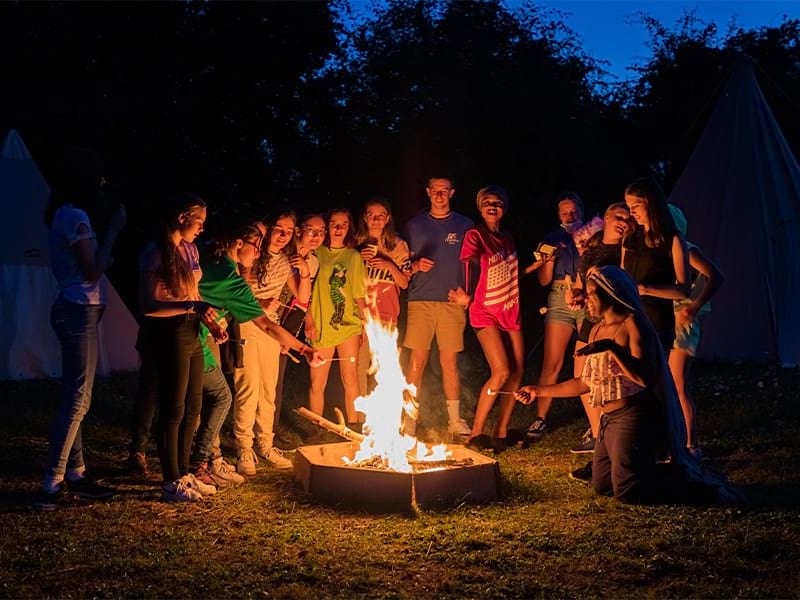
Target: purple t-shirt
(496, 297)
(440, 240)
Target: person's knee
(349, 377)
(500, 376)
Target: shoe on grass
(277, 460)
(137, 464)
(582, 474)
(202, 475)
(51, 501)
(205, 489)
(481, 443)
(536, 430)
(181, 490)
(459, 428)
(87, 488)
(586, 445)
(246, 463)
(223, 474)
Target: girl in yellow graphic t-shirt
(334, 320)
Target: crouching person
(627, 377)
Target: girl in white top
(78, 263)
(256, 382)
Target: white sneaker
(246, 465)
(459, 427)
(275, 458)
(223, 473)
(204, 488)
(180, 490)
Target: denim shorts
(559, 311)
(687, 339)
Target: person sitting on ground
(626, 375)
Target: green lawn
(547, 535)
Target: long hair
(661, 226)
(261, 266)
(348, 240)
(174, 271)
(388, 235)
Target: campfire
(387, 466)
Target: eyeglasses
(257, 247)
(282, 232)
(492, 204)
(379, 216)
(311, 232)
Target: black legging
(171, 352)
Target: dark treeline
(251, 104)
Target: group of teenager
(262, 292)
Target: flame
(385, 406)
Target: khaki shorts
(445, 320)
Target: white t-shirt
(63, 234)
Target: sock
(77, 473)
(453, 410)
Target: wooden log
(340, 428)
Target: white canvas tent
(28, 345)
(740, 192)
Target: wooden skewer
(492, 392)
(347, 358)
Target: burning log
(340, 428)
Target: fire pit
(386, 467)
(465, 475)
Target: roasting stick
(351, 359)
(492, 392)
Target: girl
(654, 254)
(494, 312)
(560, 321)
(388, 266)
(78, 263)
(169, 344)
(309, 234)
(604, 248)
(706, 280)
(626, 376)
(223, 286)
(256, 382)
(333, 323)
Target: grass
(547, 536)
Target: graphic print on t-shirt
(337, 281)
(500, 279)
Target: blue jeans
(76, 328)
(217, 399)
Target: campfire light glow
(387, 407)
